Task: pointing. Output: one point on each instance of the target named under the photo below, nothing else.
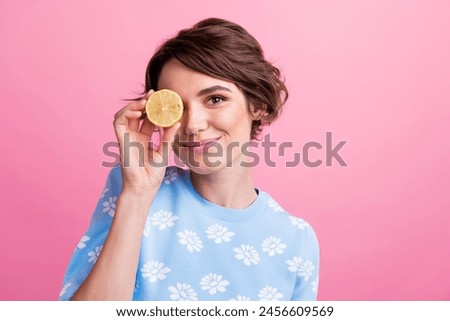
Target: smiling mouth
(200, 143)
(200, 147)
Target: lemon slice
(164, 108)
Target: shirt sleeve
(91, 243)
(307, 280)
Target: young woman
(202, 233)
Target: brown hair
(224, 50)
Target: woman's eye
(216, 99)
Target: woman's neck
(229, 187)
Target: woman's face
(216, 120)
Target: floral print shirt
(193, 249)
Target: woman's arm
(113, 275)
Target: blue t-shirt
(193, 249)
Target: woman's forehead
(184, 80)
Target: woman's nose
(195, 119)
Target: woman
(205, 233)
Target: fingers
(147, 127)
(134, 118)
(140, 106)
(150, 92)
(141, 103)
(167, 139)
(129, 117)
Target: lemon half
(164, 108)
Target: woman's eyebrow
(211, 90)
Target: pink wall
(375, 73)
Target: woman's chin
(204, 168)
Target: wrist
(138, 192)
(133, 203)
(136, 198)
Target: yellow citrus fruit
(164, 108)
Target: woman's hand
(143, 170)
(142, 166)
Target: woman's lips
(201, 146)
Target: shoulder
(293, 227)
(114, 180)
(175, 179)
(173, 173)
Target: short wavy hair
(224, 50)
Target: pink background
(375, 73)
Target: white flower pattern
(269, 293)
(302, 267)
(163, 219)
(315, 285)
(82, 243)
(214, 282)
(247, 254)
(109, 206)
(182, 292)
(219, 233)
(191, 240)
(93, 255)
(64, 288)
(171, 175)
(154, 271)
(274, 205)
(273, 245)
(147, 227)
(296, 221)
(306, 270)
(105, 190)
(240, 298)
